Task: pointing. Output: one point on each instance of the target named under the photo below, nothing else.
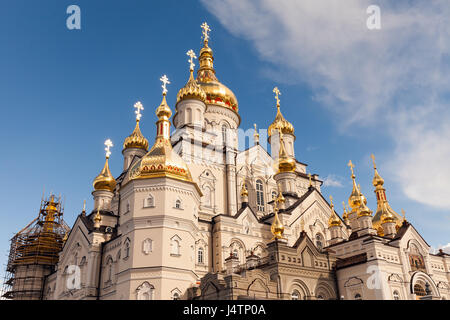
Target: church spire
(383, 207)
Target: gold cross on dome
(331, 201)
(206, 30)
(351, 165)
(138, 106)
(373, 160)
(192, 56)
(165, 82)
(108, 144)
(277, 94)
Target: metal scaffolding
(34, 252)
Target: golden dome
(216, 92)
(280, 198)
(377, 179)
(280, 122)
(285, 163)
(334, 220)
(192, 90)
(161, 160)
(244, 191)
(363, 210)
(386, 216)
(136, 139)
(355, 200)
(105, 180)
(345, 214)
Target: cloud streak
(396, 79)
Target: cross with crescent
(165, 82)
(108, 144)
(206, 30)
(192, 56)
(351, 165)
(277, 94)
(138, 105)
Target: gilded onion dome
(387, 216)
(354, 200)
(216, 92)
(345, 214)
(334, 220)
(285, 163)
(244, 191)
(105, 180)
(383, 207)
(192, 90)
(161, 160)
(280, 122)
(136, 139)
(277, 227)
(363, 210)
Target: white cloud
(396, 79)
(333, 180)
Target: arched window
(176, 296)
(295, 295)
(109, 266)
(178, 204)
(145, 291)
(207, 196)
(319, 241)
(396, 295)
(149, 202)
(175, 246)
(147, 246)
(358, 296)
(259, 195)
(189, 115)
(236, 253)
(200, 255)
(224, 134)
(127, 249)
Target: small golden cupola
(280, 122)
(192, 90)
(285, 163)
(334, 220)
(383, 207)
(136, 139)
(216, 92)
(105, 180)
(277, 227)
(161, 160)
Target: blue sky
(63, 92)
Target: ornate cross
(138, 105)
(165, 82)
(351, 165)
(108, 144)
(331, 202)
(277, 94)
(192, 56)
(206, 30)
(373, 160)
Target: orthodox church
(192, 217)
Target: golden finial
(334, 220)
(256, 134)
(345, 214)
(244, 191)
(285, 163)
(373, 160)
(404, 215)
(277, 94)
(280, 198)
(351, 165)
(97, 218)
(84, 207)
(277, 227)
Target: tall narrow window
(175, 243)
(260, 195)
(396, 295)
(224, 134)
(149, 202)
(178, 204)
(295, 295)
(200, 255)
(127, 249)
(319, 241)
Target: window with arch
(295, 295)
(236, 253)
(147, 246)
(259, 195)
(126, 249)
(396, 295)
(149, 202)
(224, 133)
(176, 296)
(175, 246)
(109, 270)
(319, 241)
(358, 296)
(200, 255)
(207, 196)
(145, 291)
(178, 204)
(416, 259)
